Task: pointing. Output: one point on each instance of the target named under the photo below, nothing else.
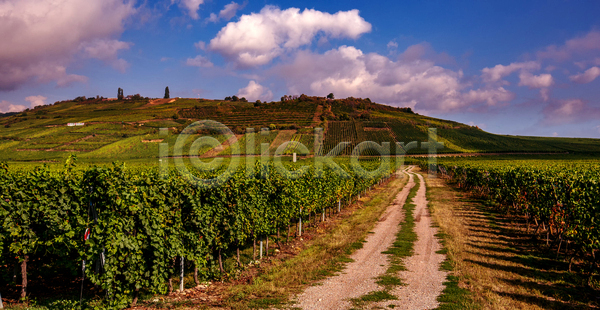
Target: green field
(129, 130)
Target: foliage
(141, 220)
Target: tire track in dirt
(358, 277)
(423, 276)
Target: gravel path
(358, 276)
(424, 277)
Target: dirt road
(423, 276)
(357, 278)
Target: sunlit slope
(129, 129)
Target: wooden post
(221, 263)
(339, 205)
(24, 276)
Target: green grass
(375, 296)
(405, 239)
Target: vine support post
(1, 305)
(339, 205)
(24, 276)
(181, 275)
(196, 274)
(221, 263)
(323, 216)
(261, 249)
(300, 223)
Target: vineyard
(247, 115)
(136, 228)
(558, 200)
(337, 132)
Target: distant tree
(330, 96)
(167, 96)
(120, 94)
(243, 99)
(228, 98)
(257, 103)
(235, 98)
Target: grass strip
(374, 296)
(403, 245)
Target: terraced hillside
(130, 129)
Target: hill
(104, 130)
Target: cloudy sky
(510, 67)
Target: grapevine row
(139, 221)
(561, 200)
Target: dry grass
(497, 263)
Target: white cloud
(201, 45)
(212, 18)
(535, 81)
(255, 91)
(569, 111)
(555, 134)
(199, 61)
(106, 50)
(423, 51)
(392, 45)
(346, 71)
(36, 100)
(6, 107)
(258, 38)
(192, 6)
(227, 13)
(491, 75)
(577, 46)
(39, 38)
(587, 76)
(491, 96)
(545, 94)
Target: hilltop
(129, 129)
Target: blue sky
(510, 67)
